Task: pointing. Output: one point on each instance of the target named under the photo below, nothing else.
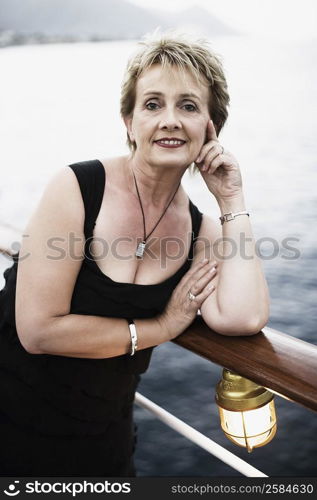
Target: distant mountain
(200, 21)
(82, 18)
(103, 19)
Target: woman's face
(169, 118)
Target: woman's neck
(156, 184)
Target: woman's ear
(128, 123)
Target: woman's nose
(170, 120)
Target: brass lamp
(247, 411)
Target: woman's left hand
(219, 168)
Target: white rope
(198, 438)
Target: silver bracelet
(134, 336)
(232, 216)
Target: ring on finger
(221, 153)
(191, 296)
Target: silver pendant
(140, 250)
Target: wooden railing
(277, 361)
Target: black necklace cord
(145, 237)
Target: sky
(291, 19)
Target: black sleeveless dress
(74, 416)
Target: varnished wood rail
(273, 359)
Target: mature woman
(108, 269)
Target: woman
(108, 270)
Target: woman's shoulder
(113, 163)
(60, 202)
(114, 168)
(109, 164)
(61, 183)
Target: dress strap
(197, 217)
(91, 178)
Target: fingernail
(212, 270)
(198, 159)
(204, 261)
(211, 287)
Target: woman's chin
(171, 161)
(163, 160)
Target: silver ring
(191, 296)
(223, 150)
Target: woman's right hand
(180, 310)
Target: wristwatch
(232, 216)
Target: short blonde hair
(177, 49)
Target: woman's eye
(151, 105)
(190, 107)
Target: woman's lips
(170, 144)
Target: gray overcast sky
(292, 19)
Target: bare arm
(240, 304)
(46, 279)
(96, 337)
